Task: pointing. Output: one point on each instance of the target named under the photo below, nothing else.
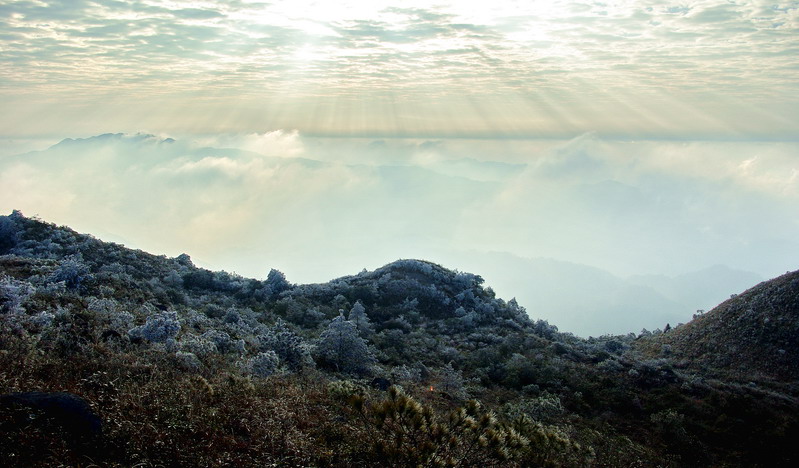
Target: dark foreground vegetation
(407, 365)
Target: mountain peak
(112, 137)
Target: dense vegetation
(407, 365)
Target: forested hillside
(407, 365)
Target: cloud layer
(318, 208)
(429, 68)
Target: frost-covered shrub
(42, 320)
(198, 345)
(340, 302)
(610, 365)
(116, 272)
(518, 312)
(103, 307)
(520, 371)
(67, 336)
(394, 343)
(670, 423)
(231, 316)
(465, 280)
(344, 389)
(51, 290)
(195, 320)
(184, 260)
(412, 265)
(263, 364)
(171, 345)
(158, 328)
(543, 329)
(215, 311)
(405, 374)
(615, 346)
(224, 343)
(398, 323)
(13, 294)
(469, 320)
(72, 271)
(290, 348)
(122, 321)
(188, 361)
(226, 282)
(303, 316)
(545, 408)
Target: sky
(615, 138)
(690, 69)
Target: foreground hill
(189, 367)
(751, 336)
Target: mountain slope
(752, 335)
(187, 367)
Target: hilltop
(187, 366)
(751, 336)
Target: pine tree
(360, 319)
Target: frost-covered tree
(518, 312)
(184, 259)
(450, 381)
(360, 319)
(9, 234)
(276, 282)
(173, 279)
(340, 302)
(341, 346)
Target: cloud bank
(318, 208)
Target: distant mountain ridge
(702, 289)
(592, 301)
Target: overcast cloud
(554, 68)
